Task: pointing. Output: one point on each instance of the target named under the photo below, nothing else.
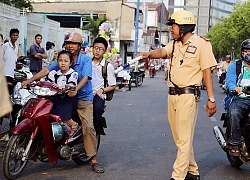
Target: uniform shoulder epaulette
(206, 39)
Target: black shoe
(190, 176)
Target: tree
(19, 4)
(93, 25)
(227, 35)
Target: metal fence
(29, 24)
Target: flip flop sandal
(97, 168)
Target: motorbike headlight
(24, 100)
(57, 131)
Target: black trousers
(98, 105)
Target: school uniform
(63, 105)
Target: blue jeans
(238, 109)
(98, 105)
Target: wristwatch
(212, 100)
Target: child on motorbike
(63, 105)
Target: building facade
(206, 12)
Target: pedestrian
(5, 104)
(82, 64)
(82, 51)
(100, 46)
(223, 66)
(191, 58)
(10, 56)
(37, 54)
(50, 53)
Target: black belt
(185, 90)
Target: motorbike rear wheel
(234, 161)
(13, 165)
(83, 158)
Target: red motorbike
(39, 135)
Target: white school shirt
(97, 79)
(10, 55)
(62, 80)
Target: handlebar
(245, 90)
(46, 89)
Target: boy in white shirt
(99, 48)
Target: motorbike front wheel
(234, 161)
(83, 158)
(140, 80)
(13, 165)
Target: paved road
(139, 145)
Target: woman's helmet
(73, 37)
(184, 19)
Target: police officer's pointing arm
(156, 54)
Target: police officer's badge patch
(191, 49)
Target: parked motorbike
(137, 77)
(223, 138)
(40, 135)
(124, 77)
(19, 96)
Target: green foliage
(227, 35)
(93, 25)
(19, 4)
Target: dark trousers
(238, 109)
(98, 105)
(222, 78)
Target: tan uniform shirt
(189, 60)
(5, 105)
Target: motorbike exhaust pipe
(219, 135)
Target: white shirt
(62, 79)
(97, 79)
(10, 55)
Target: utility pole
(161, 23)
(136, 28)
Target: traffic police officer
(191, 58)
